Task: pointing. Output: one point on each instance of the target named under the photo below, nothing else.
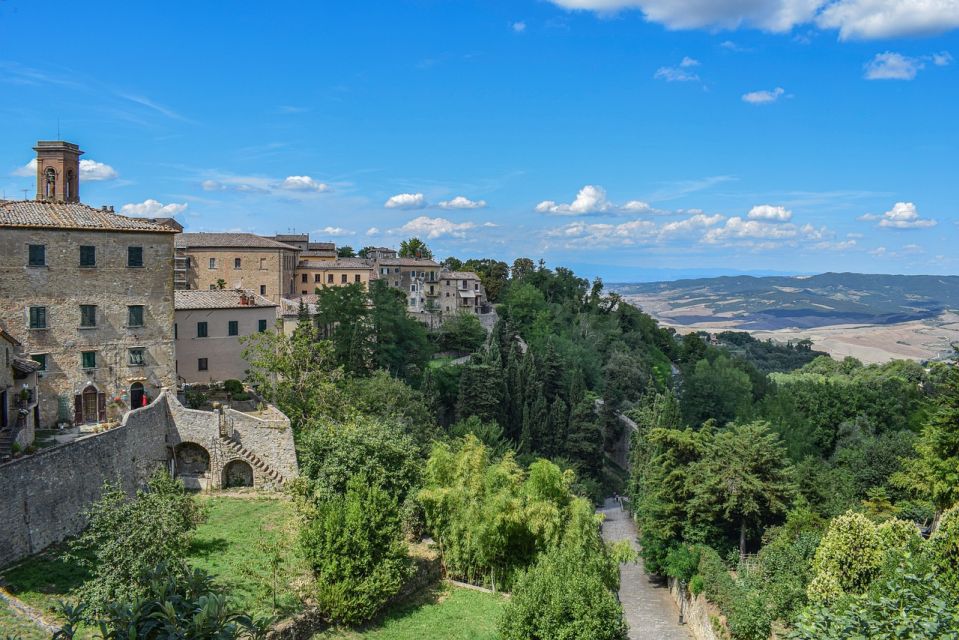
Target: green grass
(18, 627)
(444, 613)
(229, 545)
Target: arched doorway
(89, 406)
(192, 460)
(137, 395)
(237, 473)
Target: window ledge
(134, 266)
(134, 326)
(86, 328)
(38, 266)
(38, 328)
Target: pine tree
(557, 427)
(551, 373)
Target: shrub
(682, 562)
(354, 544)
(128, 537)
(848, 559)
(233, 387)
(943, 548)
(195, 399)
(564, 595)
(747, 615)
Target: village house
(19, 396)
(461, 291)
(236, 261)
(414, 277)
(88, 293)
(332, 273)
(208, 329)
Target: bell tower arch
(58, 171)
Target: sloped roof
(219, 299)
(459, 275)
(65, 215)
(228, 241)
(407, 262)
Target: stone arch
(237, 473)
(192, 460)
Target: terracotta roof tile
(228, 241)
(219, 299)
(59, 215)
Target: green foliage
(564, 596)
(682, 563)
(717, 390)
(493, 274)
(769, 356)
(388, 398)
(233, 387)
(623, 552)
(333, 453)
(489, 433)
(176, 602)
(195, 399)
(354, 543)
(126, 538)
(747, 615)
(415, 248)
(944, 550)
(462, 333)
(346, 251)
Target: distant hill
(776, 302)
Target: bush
(195, 399)
(943, 548)
(564, 595)
(747, 615)
(233, 387)
(682, 563)
(354, 544)
(129, 537)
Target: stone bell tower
(58, 171)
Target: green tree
(523, 304)
(481, 393)
(127, 537)
(400, 343)
(415, 248)
(522, 267)
(390, 399)
(717, 390)
(354, 544)
(462, 333)
(346, 251)
(494, 275)
(343, 317)
(743, 477)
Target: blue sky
(632, 139)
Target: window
(475, 287)
(233, 328)
(88, 359)
(212, 287)
(413, 288)
(317, 278)
(343, 278)
(88, 256)
(412, 302)
(237, 262)
(329, 278)
(201, 364)
(176, 334)
(38, 317)
(135, 357)
(304, 278)
(263, 264)
(135, 315)
(200, 329)
(40, 358)
(412, 274)
(134, 256)
(396, 270)
(37, 255)
(262, 289)
(261, 326)
(356, 278)
(88, 316)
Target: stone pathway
(650, 611)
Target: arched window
(50, 183)
(68, 187)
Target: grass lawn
(443, 613)
(232, 545)
(16, 627)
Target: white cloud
(695, 223)
(372, 231)
(519, 26)
(406, 201)
(841, 245)
(892, 66)
(903, 215)
(584, 235)
(763, 97)
(90, 171)
(737, 228)
(240, 184)
(680, 73)
(687, 62)
(335, 231)
(462, 202)
(854, 19)
(638, 206)
(151, 208)
(433, 228)
(303, 183)
(770, 213)
(590, 199)
(942, 59)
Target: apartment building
(418, 279)
(461, 291)
(236, 261)
(311, 275)
(89, 295)
(208, 329)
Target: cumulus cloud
(238, 184)
(518, 26)
(892, 66)
(406, 201)
(903, 215)
(151, 208)
(683, 72)
(770, 213)
(689, 225)
(854, 19)
(335, 231)
(590, 199)
(372, 231)
(90, 171)
(942, 59)
(634, 232)
(462, 202)
(303, 183)
(763, 97)
(433, 228)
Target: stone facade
(226, 316)
(19, 396)
(240, 261)
(414, 277)
(313, 274)
(45, 493)
(127, 357)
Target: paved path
(651, 612)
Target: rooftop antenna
(24, 193)
(58, 127)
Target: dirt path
(650, 611)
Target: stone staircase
(255, 461)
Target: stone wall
(44, 494)
(697, 611)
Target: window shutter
(77, 409)
(102, 407)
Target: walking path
(650, 611)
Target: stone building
(237, 261)
(414, 277)
(19, 396)
(89, 293)
(209, 325)
(461, 291)
(311, 275)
